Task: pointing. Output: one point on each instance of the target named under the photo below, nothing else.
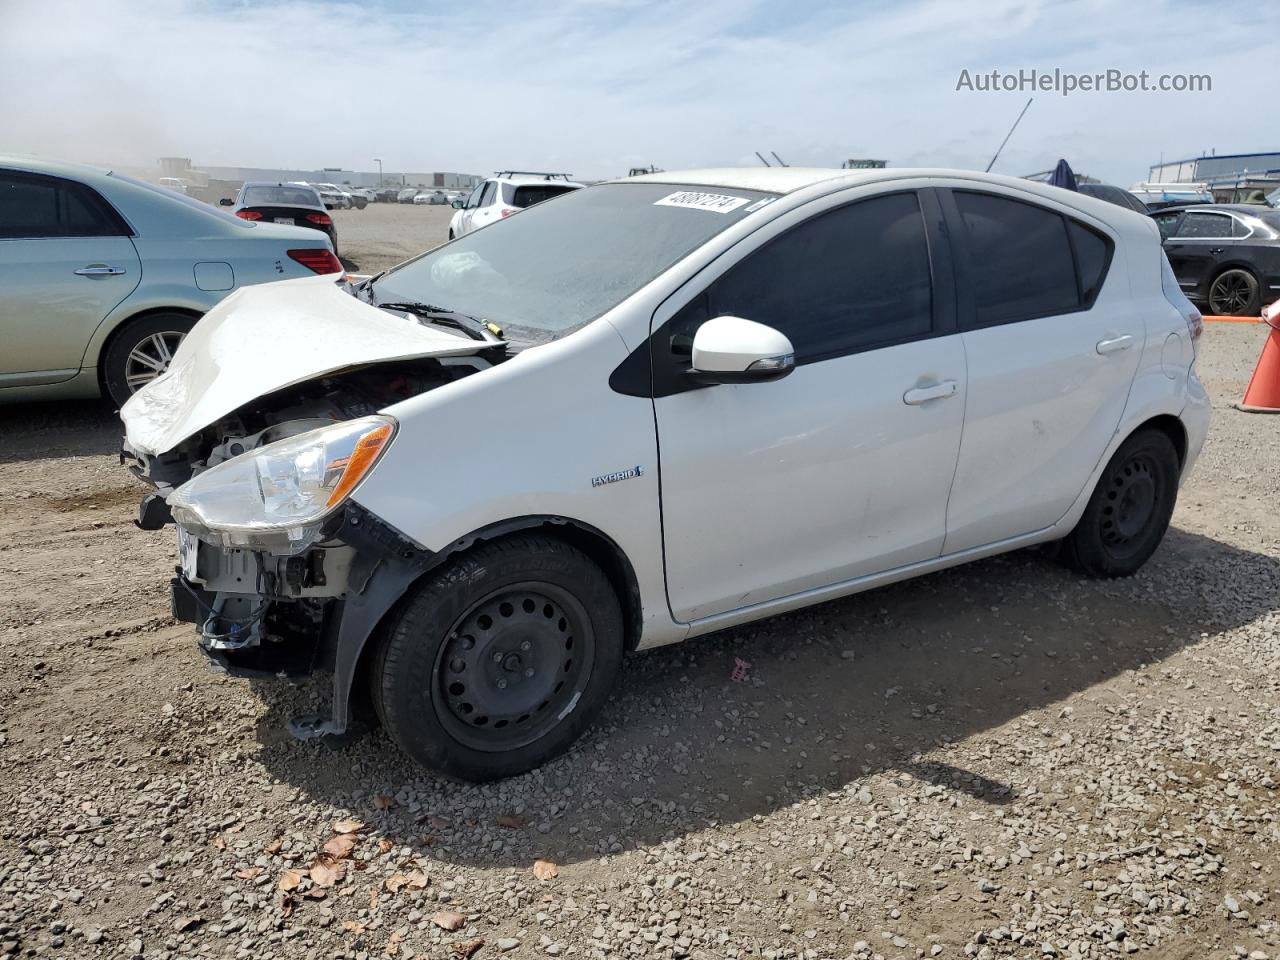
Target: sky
(594, 88)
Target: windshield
(555, 267)
(286, 196)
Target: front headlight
(277, 496)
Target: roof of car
(275, 183)
(1249, 209)
(57, 168)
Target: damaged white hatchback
(651, 410)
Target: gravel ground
(999, 760)
(383, 234)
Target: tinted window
(850, 279)
(1093, 253)
(490, 189)
(1020, 260)
(1167, 222)
(527, 196)
(1196, 225)
(286, 196)
(34, 207)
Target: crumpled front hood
(262, 339)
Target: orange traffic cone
(1263, 393)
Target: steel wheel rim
(1230, 293)
(150, 357)
(1131, 502)
(513, 666)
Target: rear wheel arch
(100, 360)
(1173, 428)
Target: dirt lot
(383, 234)
(1000, 760)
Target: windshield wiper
(473, 327)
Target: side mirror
(226, 202)
(457, 204)
(734, 350)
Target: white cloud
(597, 87)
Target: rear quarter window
(527, 196)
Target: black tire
(1129, 511)
(122, 369)
(1235, 293)
(450, 234)
(499, 661)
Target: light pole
(379, 163)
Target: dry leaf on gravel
(348, 826)
(340, 847)
(384, 802)
(448, 920)
(353, 926)
(385, 845)
(290, 879)
(393, 944)
(395, 882)
(327, 873)
(545, 870)
(274, 846)
(248, 873)
(467, 947)
(182, 924)
(219, 843)
(511, 821)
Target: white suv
(651, 410)
(504, 194)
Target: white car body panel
(297, 329)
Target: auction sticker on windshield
(715, 202)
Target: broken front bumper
(263, 614)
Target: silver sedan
(101, 275)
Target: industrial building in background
(1229, 177)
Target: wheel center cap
(512, 663)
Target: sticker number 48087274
(713, 202)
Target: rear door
(1052, 339)
(842, 468)
(1199, 243)
(66, 261)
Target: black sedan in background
(287, 203)
(1226, 256)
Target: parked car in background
(370, 196)
(1226, 257)
(500, 196)
(285, 203)
(1116, 195)
(348, 198)
(388, 194)
(763, 389)
(431, 196)
(406, 195)
(101, 275)
(176, 184)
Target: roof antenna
(781, 162)
(1008, 135)
(763, 160)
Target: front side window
(850, 279)
(38, 207)
(1204, 226)
(474, 199)
(486, 198)
(1020, 261)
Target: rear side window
(1167, 222)
(851, 279)
(1238, 228)
(1093, 255)
(1204, 225)
(35, 207)
(527, 196)
(1020, 259)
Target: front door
(842, 468)
(1052, 338)
(64, 265)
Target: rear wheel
(500, 661)
(142, 350)
(1235, 293)
(1129, 511)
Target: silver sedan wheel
(150, 357)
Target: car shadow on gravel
(48, 431)
(868, 684)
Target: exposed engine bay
(270, 610)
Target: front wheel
(1235, 293)
(1129, 511)
(141, 351)
(498, 662)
